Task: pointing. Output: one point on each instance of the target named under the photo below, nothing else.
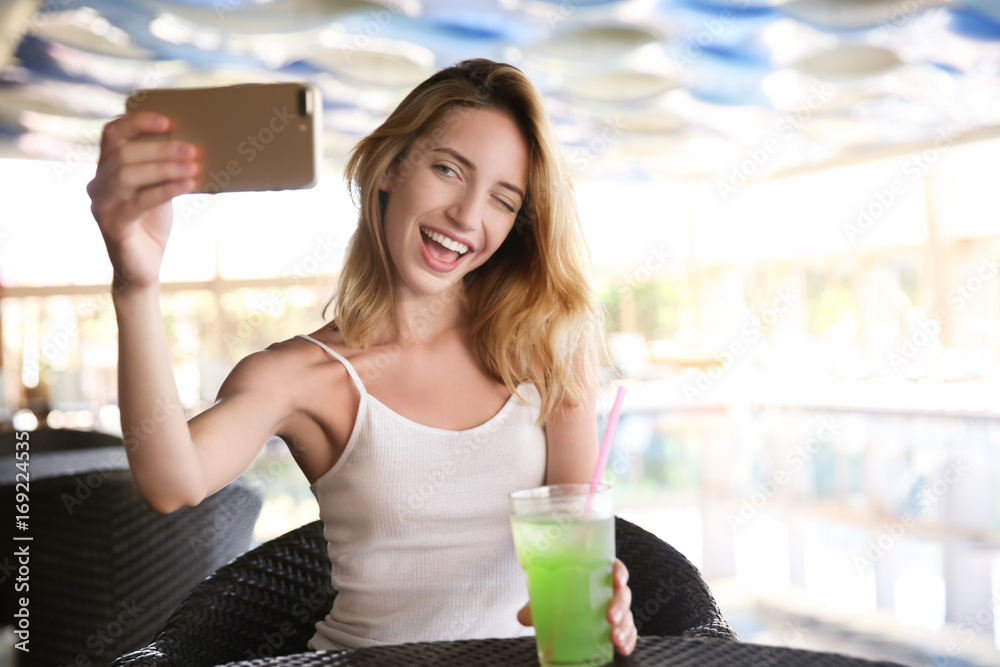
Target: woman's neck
(420, 320)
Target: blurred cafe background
(793, 210)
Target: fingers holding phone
(176, 141)
(130, 194)
(251, 137)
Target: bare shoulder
(264, 370)
(279, 368)
(323, 399)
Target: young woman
(458, 366)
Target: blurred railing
(797, 483)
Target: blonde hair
(534, 316)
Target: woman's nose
(466, 211)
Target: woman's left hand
(623, 632)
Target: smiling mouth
(443, 248)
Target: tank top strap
(339, 357)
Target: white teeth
(460, 248)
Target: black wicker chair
(106, 571)
(267, 601)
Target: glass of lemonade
(565, 541)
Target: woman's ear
(388, 179)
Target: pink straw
(609, 434)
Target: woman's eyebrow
(468, 164)
(458, 156)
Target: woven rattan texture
(267, 602)
(107, 571)
(666, 651)
(264, 603)
(669, 595)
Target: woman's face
(454, 198)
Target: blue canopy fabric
(686, 75)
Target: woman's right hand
(131, 192)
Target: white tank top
(418, 527)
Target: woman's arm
(176, 462)
(172, 464)
(571, 437)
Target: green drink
(567, 550)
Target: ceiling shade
(850, 62)
(637, 88)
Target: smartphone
(262, 136)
